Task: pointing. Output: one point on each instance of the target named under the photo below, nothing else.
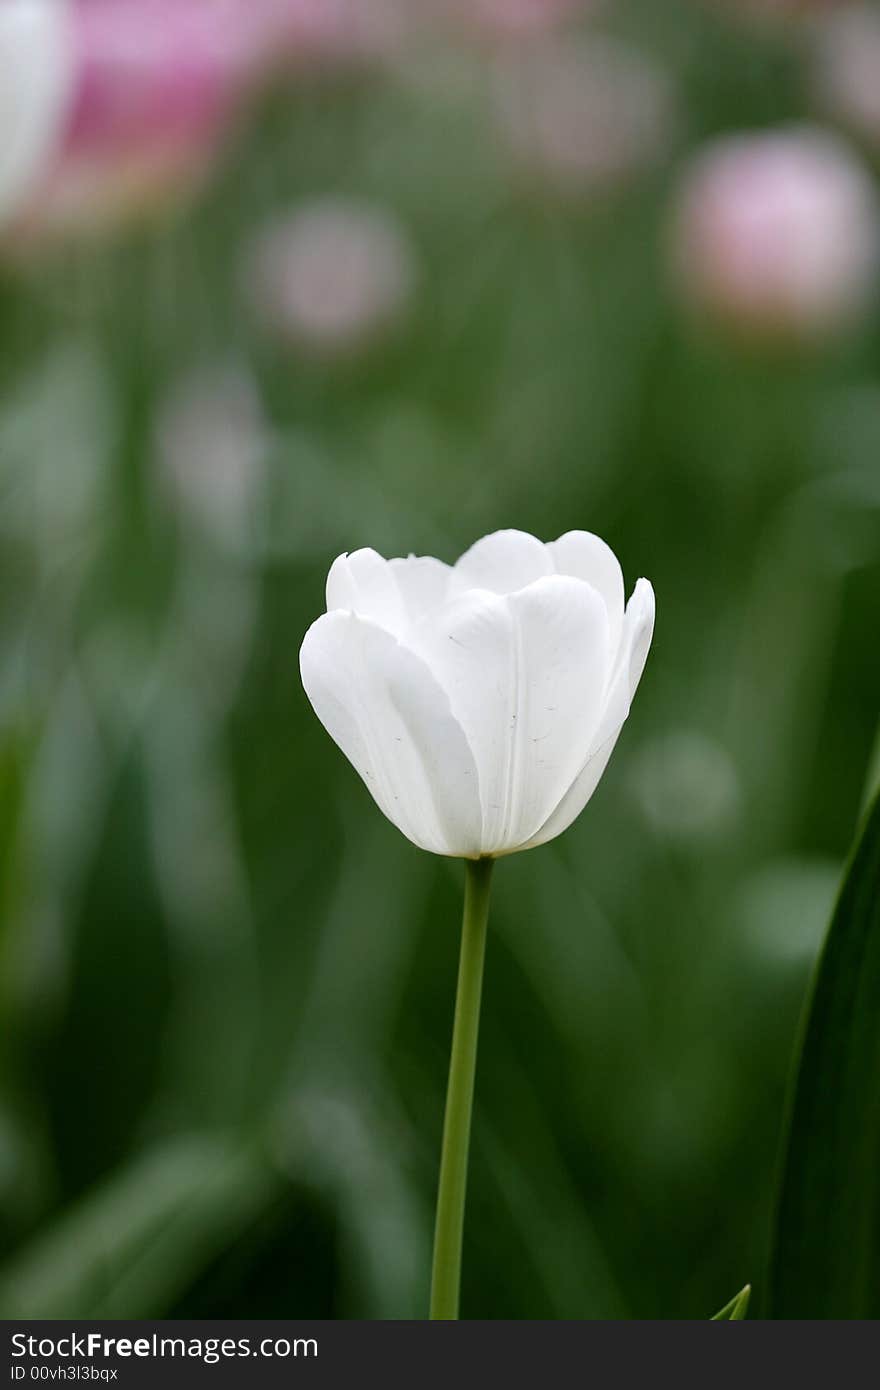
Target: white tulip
(36, 74)
(480, 702)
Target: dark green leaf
(826, 1257)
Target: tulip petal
(364, 583)
(423, 583)
(525, 674)
(469, 646)
(387, 713)
(37, 71)
(585, 556)
(502, 563)
(638, 629)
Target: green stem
(446, 1274)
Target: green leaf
(735, 1310)
(125, 1249)
(825, 1261)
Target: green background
(226, 982)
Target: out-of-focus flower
(584, 117)
(301, 33)
(687, 786)
(36, 72)
(846, 69)
(331, 277)
(212, 439)
(156, 85)
(480, 702)
(776, 235)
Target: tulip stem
(449, 1228)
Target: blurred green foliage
(227, 984)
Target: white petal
(502, 563)
(638, 628)
(364, 583)
(576, 799)
(385, 710)
(586, 556)
(423, 583)
(525, 674)
(36, 70)
(469, 646)
(639, 625)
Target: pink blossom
(583, 117)
(776, 234)
(332, 276)
(156, 85)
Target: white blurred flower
(332, 276)
(776, 234)
(687, 786)
(480, 702)
(846, 69)
(36, 71)
(212, 440)
(583, 117)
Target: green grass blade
(736, 1309)
(825, 1261)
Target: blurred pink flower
(846, 69)
(776, 234)
(336, 32)
(583, 117)
(156, 84)
(156, 69)
(331, 277)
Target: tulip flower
(36, 70)
(332, 277)
(583, 119)
(156, 87)
(776, 235)
(480, 703)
